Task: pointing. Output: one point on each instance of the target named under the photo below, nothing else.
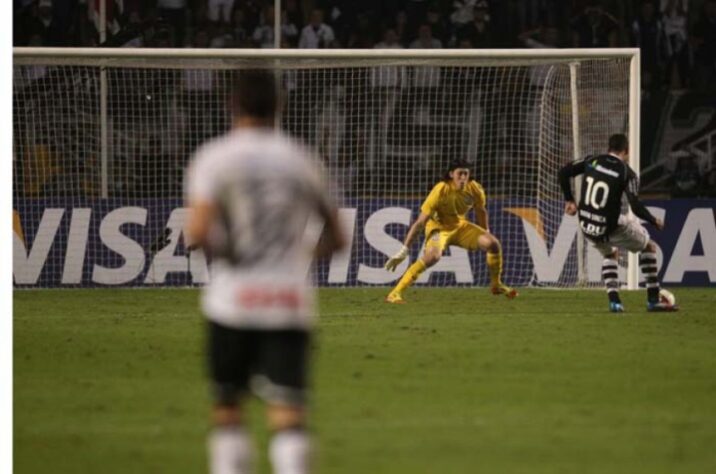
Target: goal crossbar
(306, 57)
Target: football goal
(101, 138)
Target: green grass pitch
(456, 381)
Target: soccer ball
(665, 296)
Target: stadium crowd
(677, 37)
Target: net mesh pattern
(385, 131)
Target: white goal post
(101, 137)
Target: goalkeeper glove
(396, 259)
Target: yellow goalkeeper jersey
(447, 206)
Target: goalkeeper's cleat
(661, 307)
(615, 307)
(395, 298)
(502, 289)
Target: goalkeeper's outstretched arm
(414, 230)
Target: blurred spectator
(38, 19)
(704, 39)
(463, 12)
(222, 37)
(316, 34)
(82, 31)
(479, 32)
(425, 39)
(131, 36)
(161, 35)
(594, 28)
(220, 10)
(253, 9)
(674, 20)
(45, 25)
(648, 36)
(263, 36)
(115, 19)
(686, 178)
(401, 27)
(174, 12)
(239, 29)
(345, 18)
(362, 35)
(389, 41)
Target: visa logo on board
(118, 258)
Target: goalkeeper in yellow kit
(443, 217)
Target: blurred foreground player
(251, 193)
(610, 187)
(443, 215)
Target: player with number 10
(609, 189)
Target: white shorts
(629, 235)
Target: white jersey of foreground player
(266, 189)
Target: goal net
(102, 138)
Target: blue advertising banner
(76, 243)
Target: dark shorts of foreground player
(271, 363)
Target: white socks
(230, 451)
(290, 451)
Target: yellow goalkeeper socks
(494, 265)
(410, 275)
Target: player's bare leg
(492, 247)
(290, 446)
(230, 448)
(430, 257)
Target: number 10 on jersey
(597, 193)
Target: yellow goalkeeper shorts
(465, 235)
